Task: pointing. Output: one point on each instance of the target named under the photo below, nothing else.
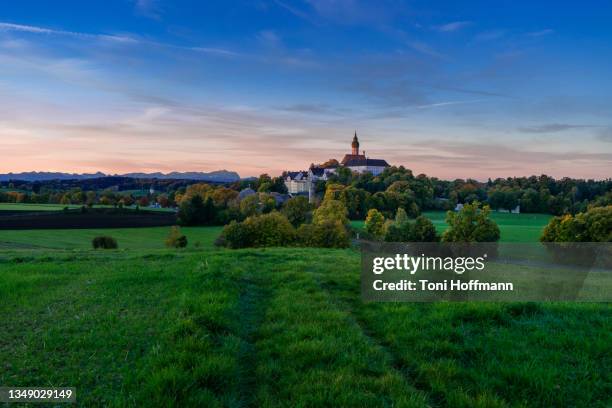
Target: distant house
(280, 198)
(459, 207)
(245, 193)
(297, 182)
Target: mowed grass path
(513, 227)
(281, 327)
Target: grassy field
(56, 207)
(280, 327)
(127, 238)
(513, 227)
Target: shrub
(272, 229)
(375, 223)
(328, 234)
(471, 224)
(424, 230)
(104, 242)
(297, 210)
(421, 230)
(175, 239)
(594, 225)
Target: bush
(421, 230)
(104, 242)
(471, 224)
(329, 234)
(265, 230)
(424, 230)
(375, 223)
(594, 225)
(297, 210)
(176, 239)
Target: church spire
(355, 145)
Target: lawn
(513, 227)
(277, 328)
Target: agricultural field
(274, 327)
(513, 227)
(58, 207)
(35, 207)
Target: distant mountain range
(221, 176)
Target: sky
(451, 89)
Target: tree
(329, 234)
(375, 223)
(143, 201)
(471, 224)
(176, 239)
(195, 211)
(424, 230)
(594, 225)
(331, 210)
(297, 210)
(401, 216)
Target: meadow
(56, 207)
(513, 227)
(276, 327)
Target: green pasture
(127, 238)
(58, 207)
(281, 327)
(35, 207)
(513, 227)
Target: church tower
(355, 145)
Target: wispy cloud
(454, 26)
(540, 33)
(269, 38)
(295, 11)
(426, 49)
(447, 103)
(148, 8)
(490, 35)
(605, 135)
(42, 30)
(552, 128)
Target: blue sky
(447, 89)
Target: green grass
(127, 238)
(34, 207)
(513, 227)
(277, 328)
(57, 207)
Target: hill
(220, 176)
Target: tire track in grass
(394, 360)
(343, 289)
(252, 305)
(312, 354)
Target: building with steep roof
(301, 182)
(360, 163)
